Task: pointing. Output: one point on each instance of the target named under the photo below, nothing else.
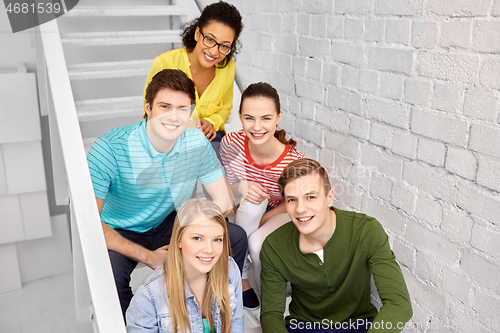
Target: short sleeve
(225, 153)
(102, 167)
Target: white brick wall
(24, 209)
(409, 90)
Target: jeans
(123, 266)
(216, 142)
(356, 326)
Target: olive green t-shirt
(337, 290)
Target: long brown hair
(191, 211)
(263, 89)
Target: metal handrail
(90, 254)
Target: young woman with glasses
(210, 42)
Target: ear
(280, 115)
(241, 116)
(331, 197)
(197, 34)
(147, 107)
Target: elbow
(408, 312)
(229, 209)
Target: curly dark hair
(220, 12)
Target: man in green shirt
(328, 255)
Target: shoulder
(283, 236)
(230, 67)
(172, 54)
(294, 152)
(228, 72)
(119, 133)
(155, 278)
(233, 136)
(114, 137)
(194, 137)
(153, 285)
(233, 271)
(361, 225)
(358, 220)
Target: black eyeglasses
(210, 42)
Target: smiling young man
(328, 255)
(141, 173)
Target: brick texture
(399, 99)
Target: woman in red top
(254, 158)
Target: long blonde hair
(195, 210)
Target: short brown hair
(300, 168)
(173, 79)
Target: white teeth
(205, 259)
(209, 57)
(304, 219)
(170, 126)
(258, 135)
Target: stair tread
(121, 37)
(103, 70)
(107, 108)
(166, 10)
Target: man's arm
(389, 280)
(115, 242)
(221, 194)
(273, 295)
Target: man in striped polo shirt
(141, 173)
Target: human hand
(159, 256)
(208, 129)
(194, 123)
(253, 192)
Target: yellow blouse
(217, 100)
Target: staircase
(109, 49)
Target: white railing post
(85, 216)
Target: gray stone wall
(400, 100)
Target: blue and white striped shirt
(140, 186)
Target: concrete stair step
(120, 38)
(127, 11)
(109, 108)
(104, 70)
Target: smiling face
(308, 205)
(168, 117)
(214, 31)
(259, 119)
(201, 246)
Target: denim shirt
(148, 310)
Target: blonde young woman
(198, 288)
